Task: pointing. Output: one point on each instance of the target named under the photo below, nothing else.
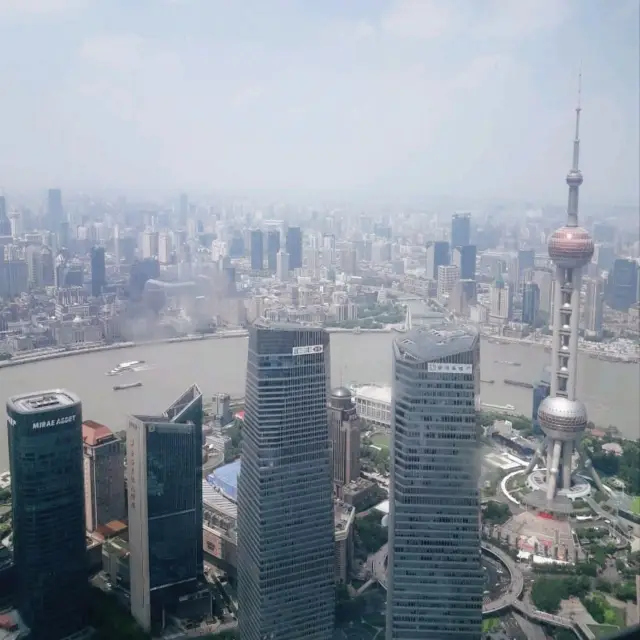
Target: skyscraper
(98, 271)
(622, 284)
(501, 301)
(530, 303)
(49, 550)
(164, 483)
(257, 250)
(294, 247)
(541, 390)
(5, 223)
(55, 211)
(460, 229)
(285, 508)
(562, 417)
(104, 496)
(435, 578)
(464, 257)
(437, 256)
(344, 432)
(593, 308)
(273, 246)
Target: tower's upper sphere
(570, 247)
(574, 178)
(562, 419)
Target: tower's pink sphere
(570, 247)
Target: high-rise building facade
(98, 271)
(501, 301)
(104, 495)
(282, 266)
(447, 278)
(344, 432)
(622, 284)
(257, 250)
(435, 577)
(285, 508)
(273, 246)
(49, 549)
(437, 256)
(164, 485)
(530, 303)
(593, 308)
(541, 390)
(460, 229)
(464, 257)
(5, 223)
(55, 210)
(294, 247)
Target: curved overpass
(377, 565)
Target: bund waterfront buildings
(435, 576)
(285, 507)
(49, 550)
(164, 483)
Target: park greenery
(625, 467)
(495, 512)
(374, 459)
(601, 611)
(370, 535)
(5, 495)
(547, 593)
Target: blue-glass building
(47, 486)
(285, 508)
(164, 483)
(541, 390)
(294, 247)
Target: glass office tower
(435, 577)
(47, 486)
(285, 507)
(164, 485)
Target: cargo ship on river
(130, 385)
(518, 383)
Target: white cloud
(420, 18)
(522, 18)
(18, 8)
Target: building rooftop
(40, 401)
(215, 500)
(225, 478)
(435, 342)
(375, 392)
(343, 516)
(94, 433)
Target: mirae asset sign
(53, 423)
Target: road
(510, 599)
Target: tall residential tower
(435, 578)
(285, 507)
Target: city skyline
(403, 124)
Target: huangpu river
(610, 390)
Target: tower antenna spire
(574, 177)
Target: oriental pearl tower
(562, 416)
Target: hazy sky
(449, 97)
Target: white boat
(124, 366)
